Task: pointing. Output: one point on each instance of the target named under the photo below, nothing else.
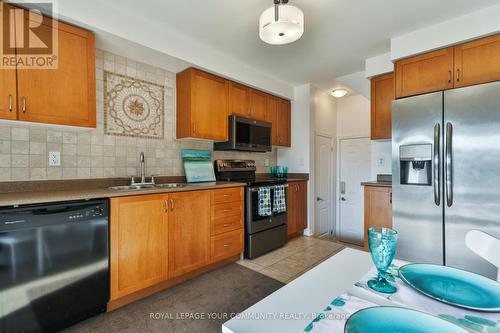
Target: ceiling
(339, 34)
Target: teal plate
(453, 286)
(397, 320)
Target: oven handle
(256, 189)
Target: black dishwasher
(54, 265)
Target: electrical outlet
(381, 161)
(54, 158)
(266, 162)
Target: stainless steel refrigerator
(446, 174)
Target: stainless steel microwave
(247, 135)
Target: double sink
(146, 186)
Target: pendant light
(281, 24)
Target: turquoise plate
(397, 320)
(453, 286)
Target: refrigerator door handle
(449, 165)
(437, 164)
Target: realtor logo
(28, 39)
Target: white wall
(473, 25)
(378, 65)
(381, 158)
(353, 117)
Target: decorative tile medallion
(133, 107)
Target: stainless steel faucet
(143, 174)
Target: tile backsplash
(88, 153)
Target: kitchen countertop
(377, 184)
(33, 197)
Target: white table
(306, 295)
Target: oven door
(256, 223)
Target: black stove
(262, 233)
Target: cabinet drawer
(227, 245)
(227, 195)
(225, 210)
(223, 225)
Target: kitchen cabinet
(189, 231)
(202, 105)
(463, 65)
(296, 207)
(239, 100)
(284, 123)
(272, 117)
(158, 240)
(432, 71)
(382, 95)
(63, 96)
(378, 209)
(477, 61)
(258, 105)
(138, 243)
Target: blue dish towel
(279, 204)
(265, 201)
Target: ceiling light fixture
(281, 24)
(339, 93)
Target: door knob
(319, 199)
(343, 199)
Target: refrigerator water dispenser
(415, 164)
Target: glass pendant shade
(287, 29)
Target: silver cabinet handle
(24, 104)
(166, 205)
(228, 245)
(172, 204)
(227, 225)
(437, 164)
(449, 76)
(10, 103)
(227, 210)
(448, 171)
(343, 199)
(458, 75)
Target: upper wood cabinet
(296, 207)
(378, 209)
(138, 242)
(382, 95)
(258, 104)
(425, 73)
(189, 231)
(463, 65)
(65, 95)
(272, 117)
(202, 105)
(284, 123)
(239, 100)
(477, 61)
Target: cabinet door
(257, 105)
(477, 61)
(138, 237)
(284, 123)
(378, 209)
(239, 100)
(66, 95)
(425, 73)
(189, 231)
(293, 210)
(302, 204)
(382, 95)
(8, 108)
(272, 117)
(209, 111)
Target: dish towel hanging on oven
(279, 204)
(265, 201)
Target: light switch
(266, 162)
(381, 161)
(54, 158)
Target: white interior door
(354, 169)
(324, 185)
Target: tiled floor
(294, 259)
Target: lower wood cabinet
(138, 238)
(161, 237)
(189, 231)
(296, 207)
(378, 209)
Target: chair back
(486, 246)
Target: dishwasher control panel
(96, 211)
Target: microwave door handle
(437, 164)
(448, 171)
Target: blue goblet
(382, 243)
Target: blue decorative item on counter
(198, 165)
(382, 243)
(279, 171)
